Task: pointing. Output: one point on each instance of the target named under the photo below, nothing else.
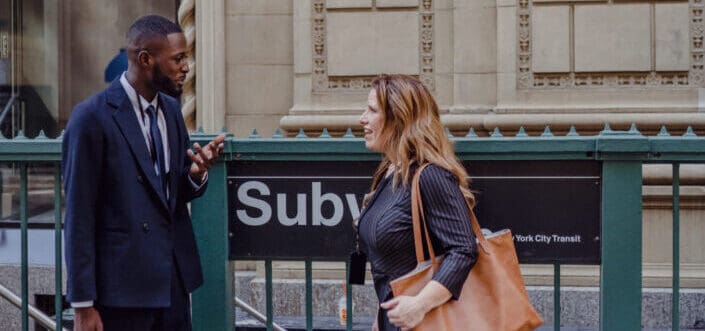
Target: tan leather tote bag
(493, 297)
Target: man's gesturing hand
(204, 157)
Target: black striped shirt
(386, 233)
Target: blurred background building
(263, 64)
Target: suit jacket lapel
(124, 116)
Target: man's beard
(163, 84)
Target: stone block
(397, 3)
(242, 125)
(612, 37)
(551, 39)
(475, 91)
(444, 90)
(506, 88)
(506, 3)
(302, 38)
(506, 40)
(259, 39)
(369, 43)
(672, 34)
(475, 39)
(443, 41)
(259, 89)
(340, 4)
(266, 7)
(442, 4)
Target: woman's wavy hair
(412, 132)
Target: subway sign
(292, 210)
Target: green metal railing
(621, 154)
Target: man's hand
(87, 319)
(205, 157)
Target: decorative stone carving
(528, 79)
(324, 83)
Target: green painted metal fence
(621, 153)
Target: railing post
(213, 303)
(622, 153)
(620, 281)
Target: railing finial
(606, 129)
(471, 133)
(547, 132)
(572, 132)
(278, 133)
(324, 133)
(522, 132)
(496, 133)
(254, 134)
(301, 134)
(633, 129)
(349, 134)
(449, 134)
(689, 133)
(663, 132)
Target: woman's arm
(408, 311)
(448, 222)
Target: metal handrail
(35, 313)
(8, 106)
(254, 313)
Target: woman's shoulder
(434, 175)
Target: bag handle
(418, 219)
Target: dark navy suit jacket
(122, 233)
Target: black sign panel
(552, 207)
(304, 209)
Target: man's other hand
(205, 157)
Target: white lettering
(247, 200)
(541, 238)
(317, 204)
(300, 217)
(352, 204)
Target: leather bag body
(493, 297)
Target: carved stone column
(210, 65)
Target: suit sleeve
(82, 156)
(448, 222)
(189, 190)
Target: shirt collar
(132, 95)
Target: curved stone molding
(187, 20)
(323, 82)
(527, 78)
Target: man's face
(171, 66)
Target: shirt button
(145, 227)
(139, 178)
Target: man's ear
(144, 59)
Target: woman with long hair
(402, 122)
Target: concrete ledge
(586, 123)
(579, 305)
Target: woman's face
(371, 121)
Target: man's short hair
(148, 27)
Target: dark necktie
(158, 146)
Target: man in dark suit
(131, 254)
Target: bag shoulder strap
(418, 220)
